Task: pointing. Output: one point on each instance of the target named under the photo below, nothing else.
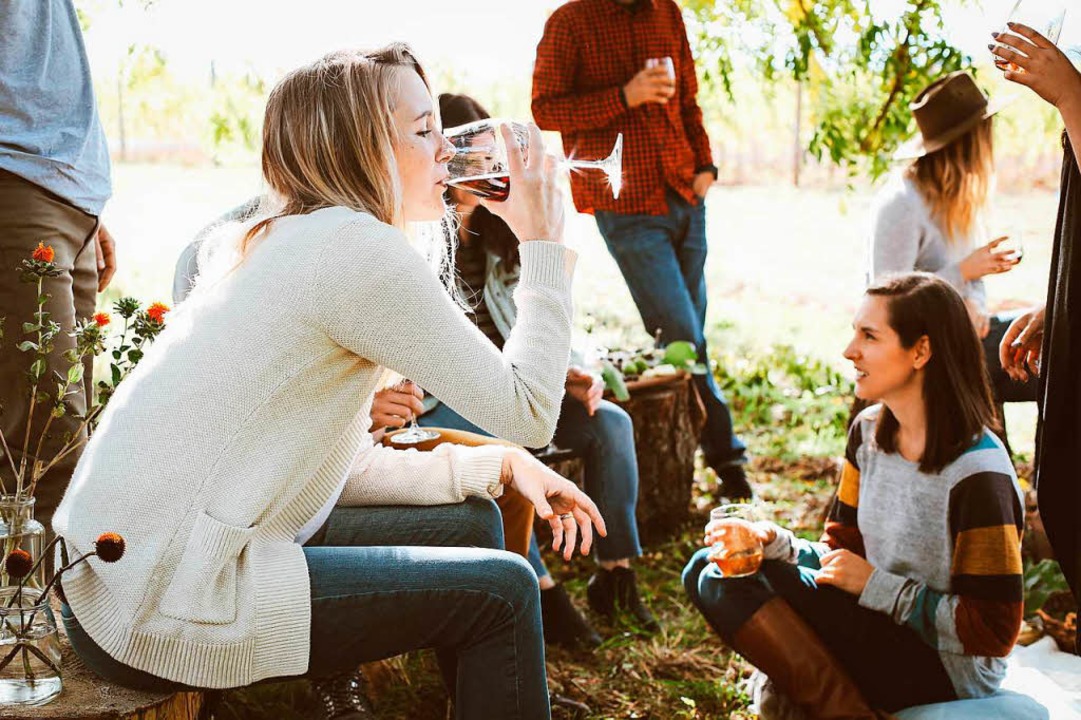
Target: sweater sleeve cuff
(882, 592)
(477, 470)
(782, 547)
(547, 264)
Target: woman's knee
(481, 524)
(691, 571)
(509, 577)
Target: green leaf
(37, 369)
(613, 380)
(117, 375)
(28, 346)
(680, 353)
(135, 355)
(1042, 580)
(75, 374)
(30, 328)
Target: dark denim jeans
(1004, 388)
(606, 442)
(387, 580)
(663, 258)
(891, 664)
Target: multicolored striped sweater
(946, 549)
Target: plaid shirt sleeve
(555, 104)
(690, 112)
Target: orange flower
(102, 319)
(109, 546)
(156, 312)
(18, 563)
(44, 253)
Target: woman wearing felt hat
(930, 216)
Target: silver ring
(566, 516)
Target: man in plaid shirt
(590, 83)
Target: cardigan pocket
(203, 589)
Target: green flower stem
(33, 394)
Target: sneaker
(563, 624)
(734, 485)
(341, 696)
(610, 591)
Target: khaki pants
(29, 215)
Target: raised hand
(1042, 66)
(534, 208)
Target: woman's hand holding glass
(1019, 351)
(1040, 64)
(394, 406)
(534, 210)
(988, 260)
(568, 510)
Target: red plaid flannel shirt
(589, 51)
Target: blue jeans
(606, 442)
(663, 259)
(893, 667)
(388, 580)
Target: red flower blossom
(109, 547)
(18, 563)
(43, 253)
(156, 312)
(102, 319)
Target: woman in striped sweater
(914, 594)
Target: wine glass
(1044, 16)
(737, 549)
(413, 434)
(479, 164)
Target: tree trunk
(668, 419)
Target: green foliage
(789, 403)
(1042, 580)
(860, 71)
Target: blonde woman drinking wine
(254, 553)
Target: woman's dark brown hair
(494, 234)
(956, 390)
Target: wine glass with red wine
(480, 164)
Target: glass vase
(20, 531)
(29, 649)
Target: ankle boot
(781, 644)
(615, 590)
(341, 696)
(563, 624)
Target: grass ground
(785, 274)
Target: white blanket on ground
(1041, 682)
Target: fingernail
(994, 34)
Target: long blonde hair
(956, 181)
(328, 136)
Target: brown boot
(780, 643)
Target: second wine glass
(479, 164)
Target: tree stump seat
(87, 697)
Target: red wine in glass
(493, 186)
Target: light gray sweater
(906, 238)
(249, 409)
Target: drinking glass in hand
(666, 63)
(1044, 16)
(413, 435)
(737, 547)
(479, 164)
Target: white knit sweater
(245, 414)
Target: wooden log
(87, 697)
(668, 418)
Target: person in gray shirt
(54, 182)
(930, 216)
